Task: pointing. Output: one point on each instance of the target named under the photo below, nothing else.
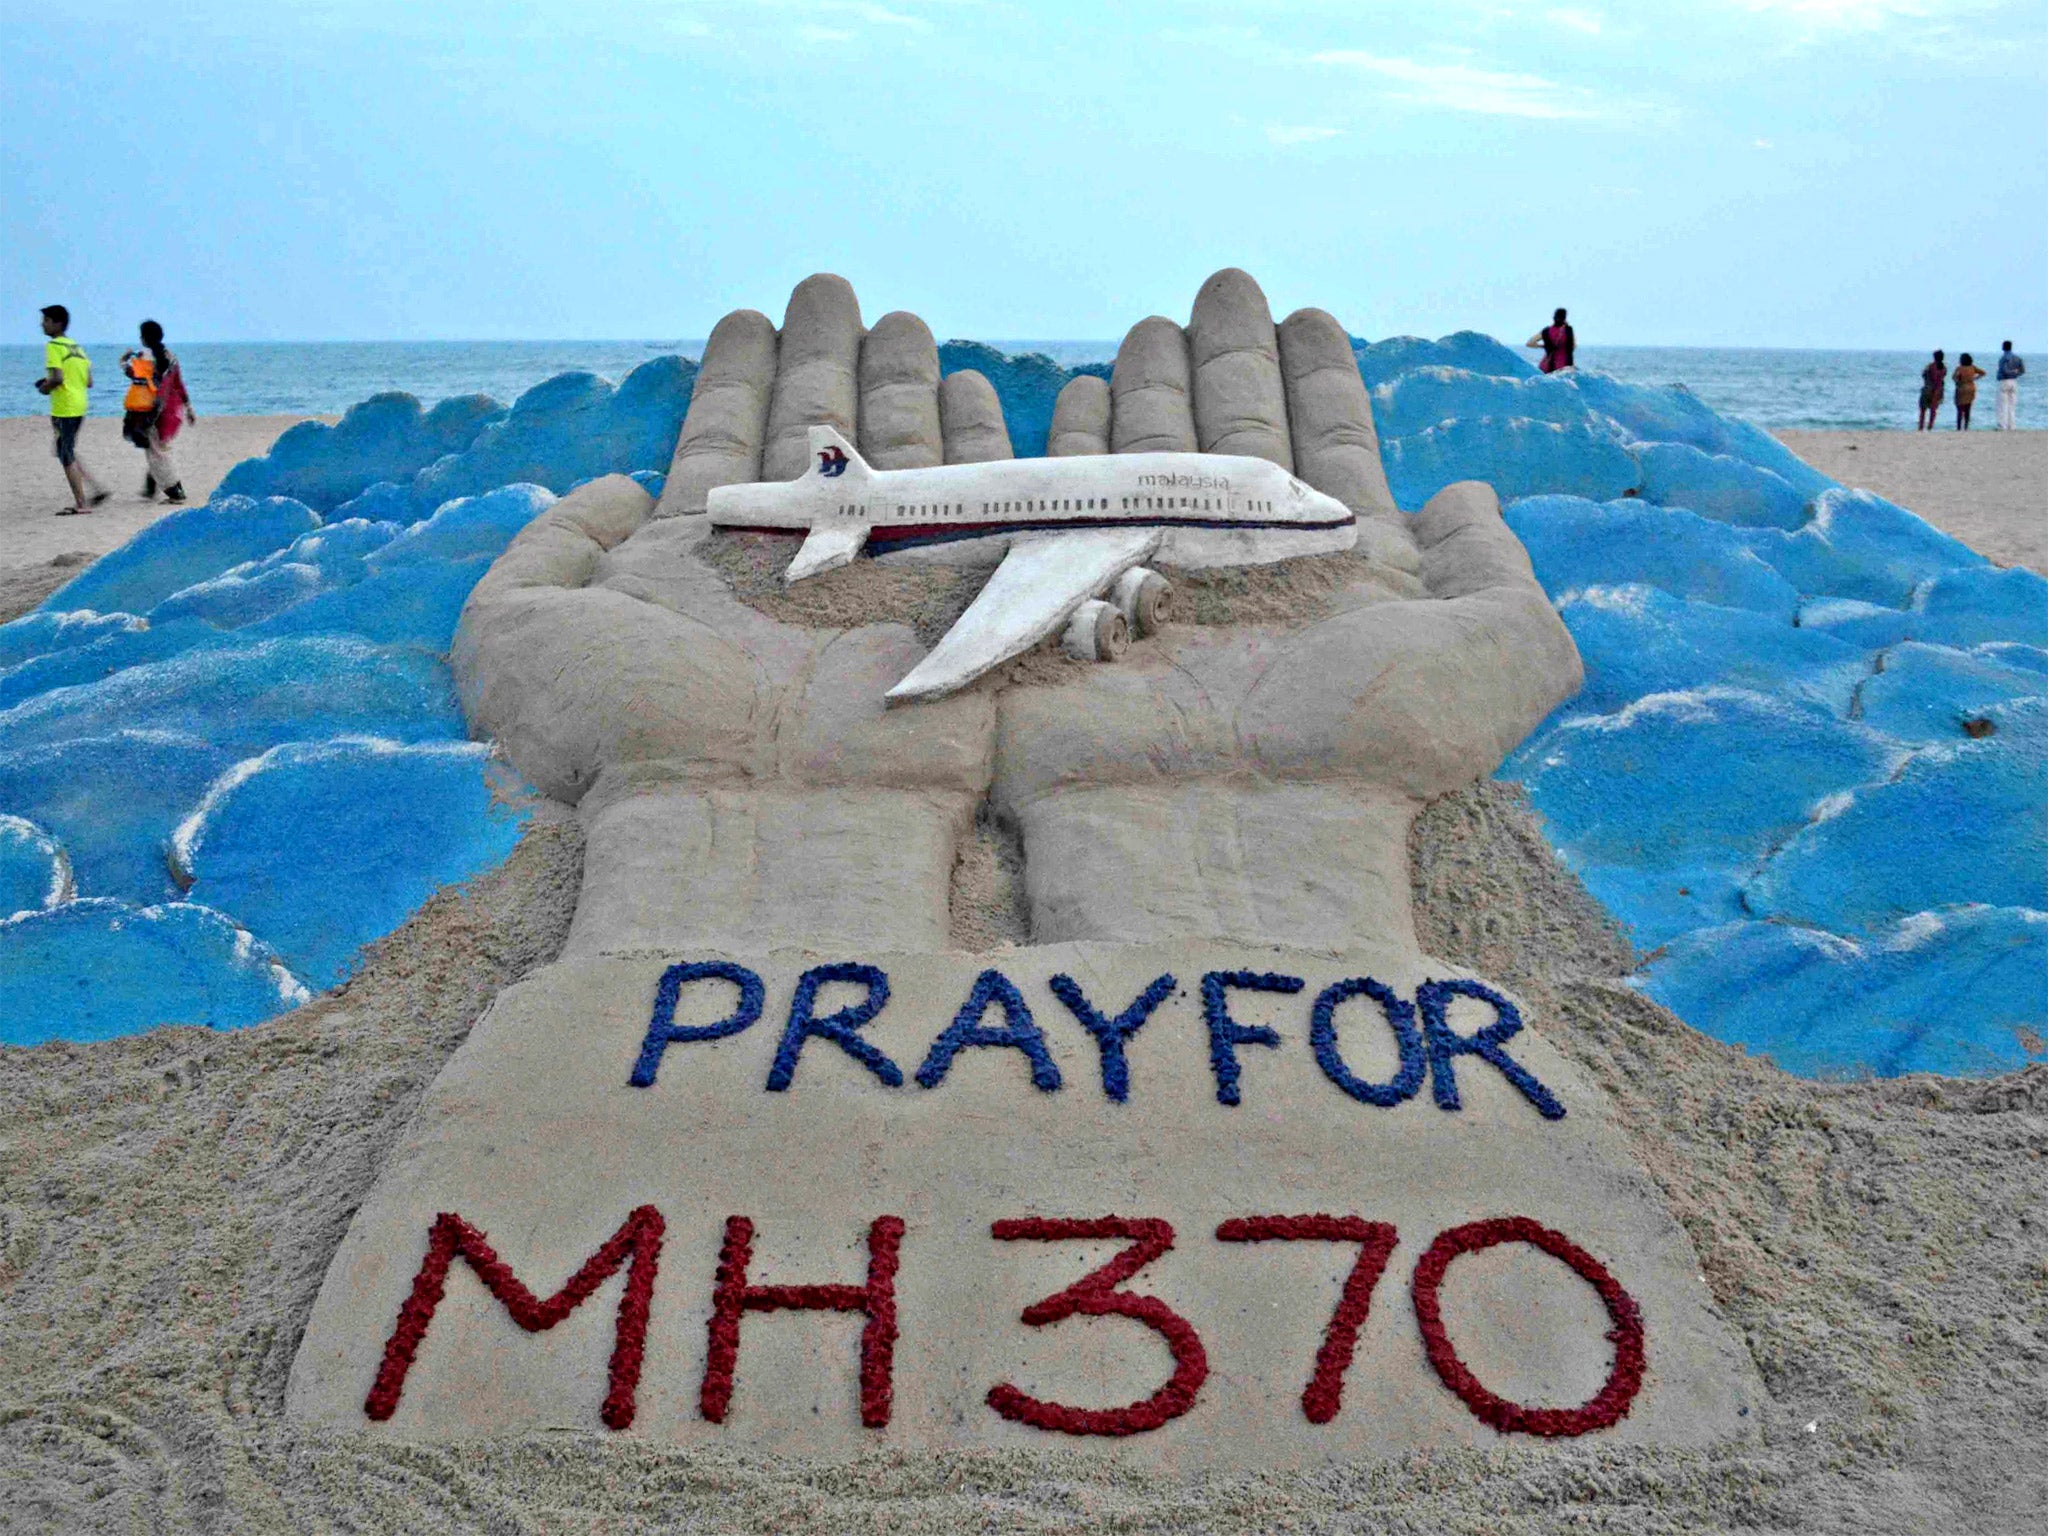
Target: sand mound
(170, 1202)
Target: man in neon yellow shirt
(67, 376)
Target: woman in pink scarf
(1557, 343)
(173, 410)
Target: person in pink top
(173, 410)
(1557, 344)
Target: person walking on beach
(2009, 370)
(1931, 391)
(1556, 342)
(138, 406)
(1966, 376)
(67, 375)
(156, 406)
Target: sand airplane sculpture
(1076, 532)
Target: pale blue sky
(1762, 172)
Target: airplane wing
(826, 549)
(1041, 581)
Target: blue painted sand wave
(1806, 769)
(1809, 768)
(230, 751)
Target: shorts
(66, 429)
(136, 425)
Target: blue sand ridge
(34, 872)
(45, 634)
(1639, 639)
(96, 968)
(190, 545)
(248, 706)
(241, 848)
(112, 802)
(239, 730)
(1771, 775)
(387, 460)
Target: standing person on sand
(138, 406)
(157, 407)
(1966, 376)
(67, 375)
(2009, 370)
(1931, 391)
(1556, 342)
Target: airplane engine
(1141, 596)
(1098, 631)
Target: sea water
(1768, 386)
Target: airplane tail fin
(834, 458)
(834, 462)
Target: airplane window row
(1055, 504)
(1048, 504)
(1174, 503)
(1067, 504)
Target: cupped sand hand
(1258, 782)
(743, 785)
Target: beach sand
(169, 1204)
(1989, 489)
(40, 552)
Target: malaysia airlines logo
(832, 462)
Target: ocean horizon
(1775, 388)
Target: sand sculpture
(1217, 1169)
(1071, 534)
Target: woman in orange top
(156, 405)
(1965, 380)
(139, 404)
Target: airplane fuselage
(1066, 531)
(1205, 503)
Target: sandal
(73, 511)
(99, 499)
